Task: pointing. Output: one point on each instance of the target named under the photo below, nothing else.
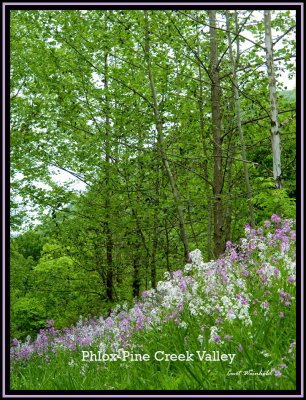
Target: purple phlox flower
(276, 271)
(244, 302)
(182, 285)
(259, 231)
(233, 256)
(245, 272)
(267, 224)
(240, 348)
(87, 340)
(217, 338)
(49, 323)
(247, 226)
(219, 320)
(109, 322)
(15, 342)
(282, 366)
(287, 303)
(177, 274)
(203, 327)
(227, 337)
(266, 304)
(255, 312)
(291, 279)
(228, 245)
(144, 294)
(275, 218)
(277, 372)
(281, 315)
(189, 259)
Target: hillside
(201, 328)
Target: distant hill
(288, 95)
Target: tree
(217, 137)
(275, 127)
(234, 64)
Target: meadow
(225, 324)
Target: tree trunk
(275, 126)
(238, 117)
(205, 163)
(155, 235)
(109, 239)
(217, 139)
(160, 139)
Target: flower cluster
(215, 293)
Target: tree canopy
(168, 118)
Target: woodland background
(168, 119)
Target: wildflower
(267, 224)
(227, 337)
(109, 322)
(240, 348)
(15, 342)
(275, 218)
(144, 294)
(281, 315)
(291, 279)
(287, 303)
(277, 372)
(177, 274)
(217, 338)
(182, 285)
(291, 347)
(282, 366)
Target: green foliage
(81, 103)
(272, 201)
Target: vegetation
(181, 131)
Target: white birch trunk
(275, 126)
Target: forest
(177, 131)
